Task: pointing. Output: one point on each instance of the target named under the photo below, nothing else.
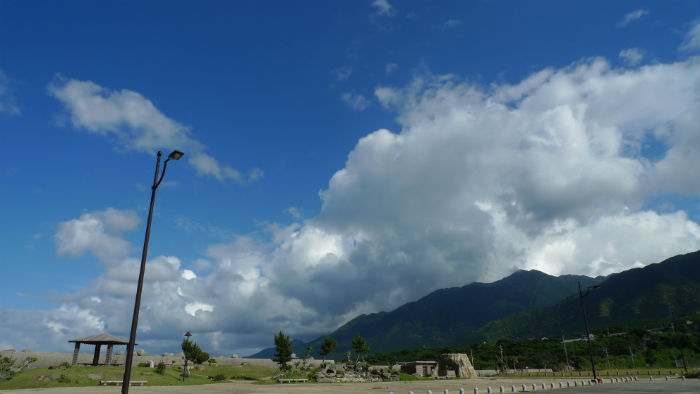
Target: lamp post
(174, 155)
(585, 320)
(184, 370)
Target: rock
(234, 356)
(141, 352)
(462, 366)
(48, 378)
(96, 376)
(151, 364)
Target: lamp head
(175, 155)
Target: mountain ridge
(527, 303)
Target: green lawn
(78, 375)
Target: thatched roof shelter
(98, 340)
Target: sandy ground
(418, 387)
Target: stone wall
(51, 359)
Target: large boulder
(460, 362)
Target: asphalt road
(677, 386)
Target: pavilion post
(75, 353)
(108, 357)
(96, 357)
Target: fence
(603, 372)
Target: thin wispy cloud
(632, 56)
(133, 122)
(8, 102)
(383, 8)
(355, 100)
(691, 41)
(343, 73)
(631, 17)
(451, 24)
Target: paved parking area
(690, 386)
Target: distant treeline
(613, 348)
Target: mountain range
(526, 304)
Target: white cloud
(355, 101)
(188, 275)
(8, 103)
(194, 307)
(386, 96)
(390, 68)
(383, 8)
(136, 124)
(632, 56)
(631, 17)
(96, 232)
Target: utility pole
(566, 355)
(678, 339)
(585, 320)
(502, 363)
(631, 354)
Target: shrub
(218, 377)
(63, 379)
(160, 368)
(65, 365)
(144, 364)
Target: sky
(341, 157)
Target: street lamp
(184, 370)
(174, 155)
(585, 320)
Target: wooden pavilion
(98, 341)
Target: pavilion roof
(101, 339)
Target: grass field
(78, 376)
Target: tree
(8, 365)
(283, 347)
(327, 348)
(193, 353)
(359, 345)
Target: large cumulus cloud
(553, 173)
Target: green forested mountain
(527, 304)
(640, 297)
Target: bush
(160, 368)
(218, 377)
(144, 365)
(63, 379)
(65, 365)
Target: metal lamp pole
(175, 155)
(585, 320)
(184, 369)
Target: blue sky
(340, 157)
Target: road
(677, 386)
